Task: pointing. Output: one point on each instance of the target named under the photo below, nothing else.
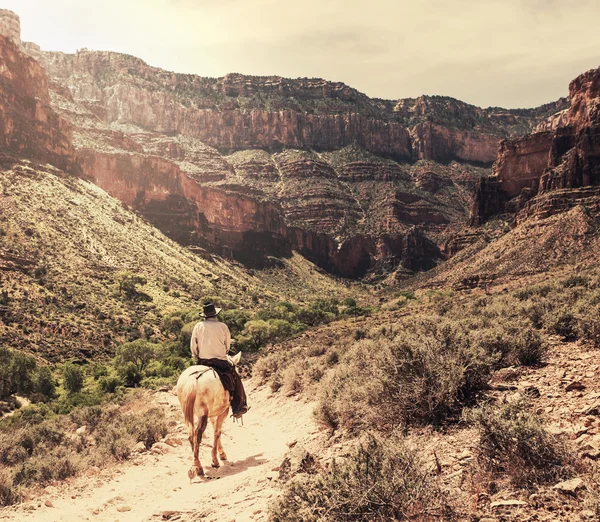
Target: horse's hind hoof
(215, 465)
(222, 456)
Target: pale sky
(510, 53)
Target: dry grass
(514, 442)
(380, 480)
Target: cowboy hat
(210, 310)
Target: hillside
(63, 244)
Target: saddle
(223, 369)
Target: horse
(202, 396)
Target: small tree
(73, 378)
(139, 353)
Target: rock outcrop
(564, 156)
(29, 127)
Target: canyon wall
(29, 127)
(564, 155)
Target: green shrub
(379, 481)
(514, 441)
(349, 302)
(44, 384)
(110, 383)
(128, 284)
(73, 378)
(235, 320)
(185, 337)
(131, 375)
(17, 372)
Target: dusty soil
(154, 485)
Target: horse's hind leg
(218, 426)
(202, 422)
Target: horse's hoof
(215, 465)
(223, 456)
(195, 471)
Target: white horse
(203, 397)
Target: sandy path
(151, 486)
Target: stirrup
(239, 414)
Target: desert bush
(115, 441)
(529, 348)
(562, 323)
(588, 325)
(73, 378)
(424, 374)
(380, 480)
(128, 284)
(9, 492)
(514, 441)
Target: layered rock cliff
(29, 127)
(252, 167)
(563, 155)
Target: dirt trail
(155, 486)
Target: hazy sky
(511, 53)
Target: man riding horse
(210, 345)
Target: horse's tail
(189, 401)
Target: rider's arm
(227, 339)
(194, 348)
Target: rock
(507, 503)
(570, 487)
(575, 385)
(297, 460)
(173, 442)
(159, 448)
(123, 509)
(49, 504)
(140, 447)
(291, 444)
(81, 430)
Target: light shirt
(210, 340)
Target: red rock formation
(440, 143)
(565, 157)
(10, 26)
(28, 126)
(521, 162)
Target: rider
(210, 344)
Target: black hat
(210, 310)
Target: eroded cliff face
(565, 155)
(252, 167)
(29, 127)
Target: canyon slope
(253, 167)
